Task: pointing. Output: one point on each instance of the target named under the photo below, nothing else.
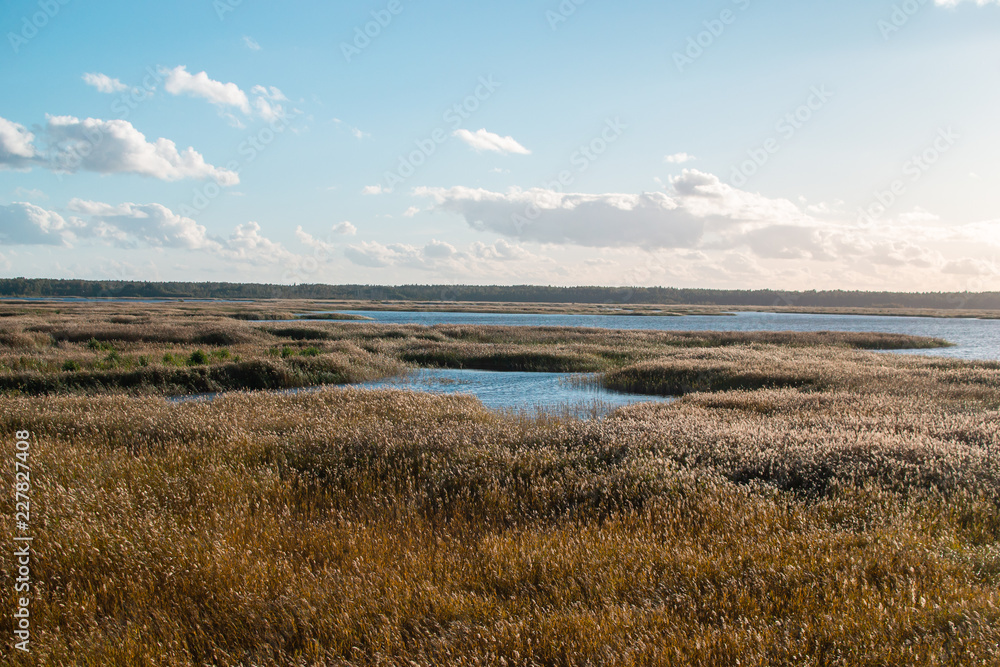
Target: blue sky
(733, 143)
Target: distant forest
(35, 288)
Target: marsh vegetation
(807, 501)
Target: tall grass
(805, 503)
(354, 528)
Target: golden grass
(850, 519)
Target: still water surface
(973, 339)
(546, 392)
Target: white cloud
(411, 212)
(154, 225)
(481, 140)
(307, 239)
(433, 256)
(678, 158)
(104, 83)
(374, 190)
(546, 216)
(376, 255)
(502, 251)
(248, 244)
(106, 147)
(115, 146)
(498, 258)
(267, 102)
(131, 226)
(27, 224)
(702, 214)
(345, 229)
(251, 43)
(180, 82)
(17, 148)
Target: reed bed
(170, 349)
(807, 502)
(343, 527)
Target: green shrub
(99, 346)
(198, 358)
(70, 366)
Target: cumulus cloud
(17, 148)
(154, 225)
(481, 140)
(131, 226)
(373, 190)
(116, 147)
(699, 213)
(263, 102)
(104, 83)
(248, 244)
(546, 216)
(443, 257)
(307, 239)
(26, 224)
(345, 229)
(181, 82)
(700, 210)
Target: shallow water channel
(567, 393)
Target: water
(974, 339)
(554, 393)
(547, 392)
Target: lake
(974, 339)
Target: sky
(721, 144)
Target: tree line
(87, 289)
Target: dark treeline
(42, 288)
